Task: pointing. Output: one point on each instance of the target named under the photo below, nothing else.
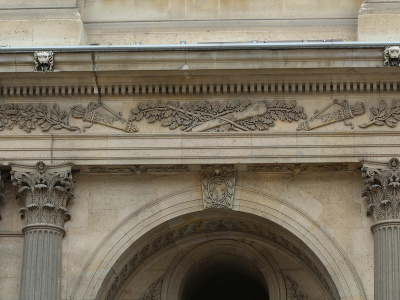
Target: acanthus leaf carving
(216, 116)
(384, 115)
(294, 292)
(44, 60)
(391, 56)
(218, 186)
(382, 187)
(154, 291)
(45, 191)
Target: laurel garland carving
(191, 117)
(140, 169)
(217, 116)
(213, 225)
(293, 290)
(45, 193)
(154, 291)
(382, 187)
(218, 186)
(384, 115)
(27, 117)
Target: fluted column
(1, 190)
(383, 189)
(45, 191)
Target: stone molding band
(44, 227)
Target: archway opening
(227, 285)
(224, 273)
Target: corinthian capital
(45, 191)
(383, 189)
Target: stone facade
(188, 144)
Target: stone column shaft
(45, 192)
(383, 190)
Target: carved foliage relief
(216, 116)
(192, 116)
(382, 187)
(218, 186)
(45, 194)
(294, 292)
(154, 291)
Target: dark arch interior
(227, 286)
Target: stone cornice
(192, 62)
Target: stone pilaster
(45, 191)
(383, 189)
(1, 190)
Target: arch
(174, 207)
(270, 275)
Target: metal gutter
(202, 47)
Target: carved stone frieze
(154, 291)
(294, 292)
(297, 168)
(384, 115)
(45, 191)
(215, 225)
(343, 113)
(391, 56)
(217, 116)
(382, 187)
(44, 61)
(218, 186)
(137, 169)
(29, 117)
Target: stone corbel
(218, 186)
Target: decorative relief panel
(343, 113)
(293, 290)
(382, 187)
(154, 291)
(137, 169)
(215, 225)
(297, 168)
(218, 186)
(216, 116)
(44, 61)
(384, 115)
(45, 191)
(191, 117)
(391, 56)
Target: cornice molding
(206, 88)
